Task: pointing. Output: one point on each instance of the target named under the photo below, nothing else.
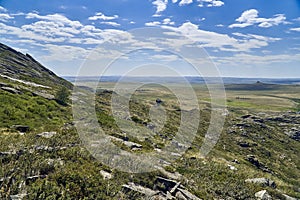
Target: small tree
(62, 96)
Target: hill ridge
(21, 66)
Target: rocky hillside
(17, 66)
(43, 157)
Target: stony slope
(42, 156)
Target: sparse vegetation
(62, 96)
(262, 125)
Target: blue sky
(244, 38)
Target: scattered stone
(180, 196)
(43, 94)
(21, 128)
(262, 181)
(243, 125)
(231, 167)
(166, 185)
(47, 134)
(287, 197)
(34, 178)
(188, 195)
(140, 190)
(164, 189)
(244, 144)
(236, 161)
(151, 126)
(55, 162)
(158, 101)
(106, 175)
(169, 196)
(294, 134)
(3, 84)
(6, 153)
(263, 195)
(17, 196)
(158, 197)
(258, 120)
(245, 116)
(253, 160)
(11, 90)
(44, 148)
(175, 176)
(279, 119)
(132, 144)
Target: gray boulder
(262, 181)
(263, 195)
(106, 175)
(47, 134)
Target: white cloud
(64, 53)
(295, 29)
(115, 24)
(57, 28)
(222, 42)
(167, 21)
(155, 23)
(259, 37)
(28, 34)
(185, 2)
(63, 7)
(297, 19)
(58, 18)
(210, 3)
(101, 16)
(218, 3)
(2, 9)
(131, 22)
(251, 60)
(220, 25)
(165, 58)
(161, 5)
(4, 17)
(202, 3)
(250, 17)
(51, 28)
